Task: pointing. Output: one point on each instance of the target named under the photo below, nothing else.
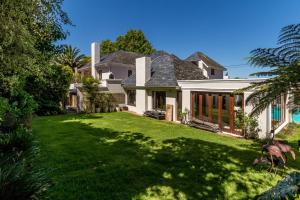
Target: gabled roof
(122, 57)
(166, 69)
(197, 56)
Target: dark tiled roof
(166, 69)
(123, 57)
(197, 56)
(130, 81)
(163, 72)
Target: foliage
(107, 47)
(16, 111)
(288, 188)
(284, 73)
(132, 41)
(50, 88)
(19, 179)
(104, 101)
(90, 86)
(29, 30)
(247, 123)
(71, 57)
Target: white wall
(149, 100)
(143, 70)
(171, 100)
(228, 85)
(114, 86)
(206, 70)
(186, 101)
(141, 101)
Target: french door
(217, 108)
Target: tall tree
(133, 41)
(29, 30)
(107, 47)
(71, 57)
(283, 63)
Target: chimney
(143, 70)
(95, 57)
(203, 67)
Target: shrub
(249, 125)
(16, 111)
(288, 188)
(105, 102)
(19, 178)
(91, 88)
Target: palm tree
(71, 57)
(283, 63)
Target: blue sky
(226, 30)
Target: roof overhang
(219, 85)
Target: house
(110, 70)
(195, 85)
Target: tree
(71, 57)
(90, 86)
(50, 88)
(133, 41)
(107, 47)
(29, 31)
(284, 73)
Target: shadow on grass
(96, 163)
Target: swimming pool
(296, 116)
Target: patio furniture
(157, 114)
(208, 126)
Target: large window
(218, 108)
(212, 71)
(159, 100)
(129, 73)
(278, 112)
(131, 97)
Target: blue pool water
(276, 113)
(296, 116)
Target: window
(129, 73)
(212, 71)
(131, 96)
(159, 100)
(111, 76)
(99, 75)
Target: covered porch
(218, 108)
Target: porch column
(220, 111)
(200, 107)
(186, 101)
(209, 108)
(231, 113)
(193, 105)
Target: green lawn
(123, 156)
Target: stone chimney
(143, 70)
(203, 67)
(95, 57)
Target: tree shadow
(101, 163)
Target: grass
(123, 156)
